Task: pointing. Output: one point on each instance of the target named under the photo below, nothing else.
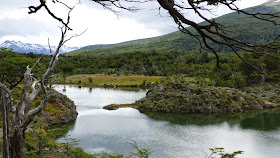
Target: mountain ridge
(20, 47)
(109, 45)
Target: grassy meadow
(101, 80)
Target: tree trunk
(17, 140)
(5, 103)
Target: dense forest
(234, 72)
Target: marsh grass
(100, 80)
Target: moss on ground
(177, 97)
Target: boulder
(59, 109)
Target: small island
(177, 97)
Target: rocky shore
(192, 98)
(59, 109)
(173, 97)
(117, 106)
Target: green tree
(12, 67)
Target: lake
(167, 135)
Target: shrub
(90, 80)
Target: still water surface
(168, 135)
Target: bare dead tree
(211, 31)
(6, 102)
(14, 134)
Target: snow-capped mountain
(35, 48)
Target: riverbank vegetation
(234, 72)
(178, 81)
(149, 69)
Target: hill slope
(243, 27)
(107, 45)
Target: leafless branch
(269, 17)
(64, 4)
(75, 35)
(212, 31)
(49, 46)
(34, 9)
(14, 137)
(32, 113)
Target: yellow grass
(100, 80)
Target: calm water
(168, 135)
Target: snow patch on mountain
(20, 47)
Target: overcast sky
(104, 27)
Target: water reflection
(266, 121)
(168, 135)
(60, 130)
(257, 120)
(64, 88)
(87, 98)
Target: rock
(161, 88)
(241, 98)
(207, 110)
(258, 107)
(117, 106)
(59, 109)
(246, 107)
(112, 107)
(271, 106)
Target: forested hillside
(243, 27)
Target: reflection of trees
(258, 120)
(59, 130)
(64, 88)
(90, 89)
(266, 121)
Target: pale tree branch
(45, 77)
(37, 63)
(24, 115)
(6, 103)
(32, 113)
(75, 35)
(49, 46)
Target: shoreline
(180, 98)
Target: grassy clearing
(100, 80)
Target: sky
(103, 26)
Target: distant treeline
(234, 72)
